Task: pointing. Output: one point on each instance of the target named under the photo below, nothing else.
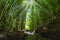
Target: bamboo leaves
(13, 13)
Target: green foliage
(10, 14)
(13, 13)
(42, 13)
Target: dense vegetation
(41, 16)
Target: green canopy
(26, 14)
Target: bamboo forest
(29, 19)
